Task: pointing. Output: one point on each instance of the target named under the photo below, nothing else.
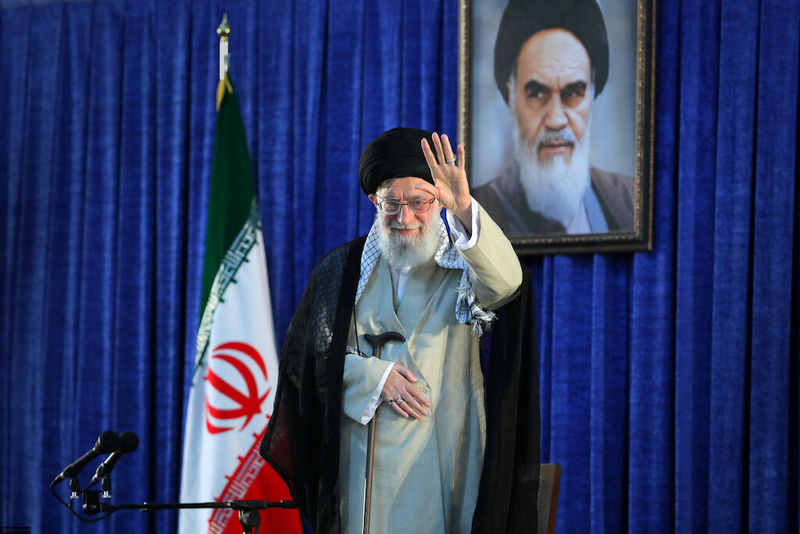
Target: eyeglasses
(393, 207)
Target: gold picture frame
(620, 133)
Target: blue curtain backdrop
(669, 379)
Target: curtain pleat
(274, 167)
(669, 380)
(571, 351)
(694, 261)
(343, 99)
(135, 210)
(773, 214)
(608, 390)
(732, 246)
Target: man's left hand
(450, 178)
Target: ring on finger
(451, 160)
(398, 400)
(391, 401)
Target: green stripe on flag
(232, 188)
(232, 210)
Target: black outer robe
(302, 438)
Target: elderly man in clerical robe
(439, 464)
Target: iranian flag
(236, 368)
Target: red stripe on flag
(255, 479)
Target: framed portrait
(556, 112)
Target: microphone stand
(248, 509)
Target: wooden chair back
(549, 481)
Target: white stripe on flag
(231, 397)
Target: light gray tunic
(426, 472)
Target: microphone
(128, 442)
(106, 442)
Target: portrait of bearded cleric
(553, 116)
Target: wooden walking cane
(377, 343)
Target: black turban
(523, 18)
(394, 154)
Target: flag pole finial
(224, 31)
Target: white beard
(408, 251)
(554, 189)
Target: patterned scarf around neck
(468, 309)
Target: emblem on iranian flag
(233, 390)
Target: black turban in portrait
(394, 154)
(523, 18)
